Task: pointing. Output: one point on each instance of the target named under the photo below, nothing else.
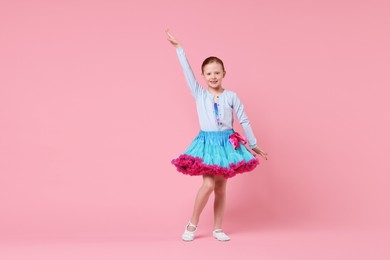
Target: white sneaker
(189, 235)
(220, 235)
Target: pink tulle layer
(190, 165)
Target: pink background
(93, 107)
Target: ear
(224, 73)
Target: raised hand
(172, 39)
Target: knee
(219, 189)
(208, 186)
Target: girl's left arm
(244, 122)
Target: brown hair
(212, 59)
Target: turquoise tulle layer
(212, 153)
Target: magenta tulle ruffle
(190, 165)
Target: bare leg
(201, 198)
(220, 200)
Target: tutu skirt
(212, 153)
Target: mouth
(213, 81)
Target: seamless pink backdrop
(93, 107)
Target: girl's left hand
(260, 152)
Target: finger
(170, 35)
(171, 39)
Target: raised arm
(194, 86)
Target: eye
(217, 73)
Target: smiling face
(213, 73)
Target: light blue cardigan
(227, 102)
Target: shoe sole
(222, 240)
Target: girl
(218, 152)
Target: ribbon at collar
(236, 138)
